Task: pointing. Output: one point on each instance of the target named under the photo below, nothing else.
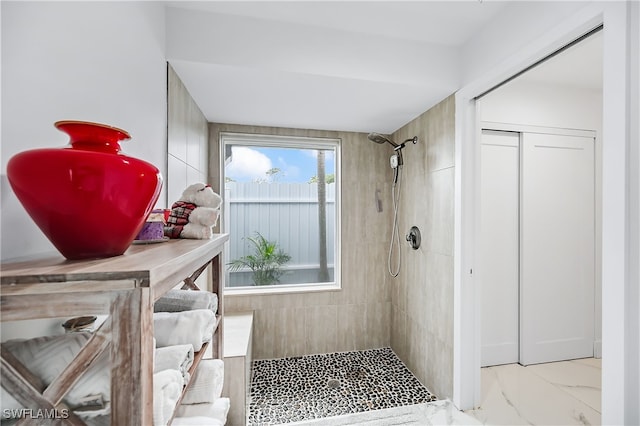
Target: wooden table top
(145, 264)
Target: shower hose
(396, 190)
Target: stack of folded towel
(47, 357)
(181, 328)
(186, 300)
(179, 332)
(210, 414)
(177, 357)
(202, 403)
(167, 388)
(186, 319)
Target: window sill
(281, 289)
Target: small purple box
(153, 228)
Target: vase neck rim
(93, 136)
(64, 124)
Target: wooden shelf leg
(217, 278)
(132, 358)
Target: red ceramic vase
(89, 199)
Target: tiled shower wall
(187, 139)
(358, 316)
(422, 295)
(187, 146)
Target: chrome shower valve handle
(414, 238)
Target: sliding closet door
(557, 248)
(500, 245)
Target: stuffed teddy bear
(194, 214)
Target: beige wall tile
(422, 296)
(351, 328)
(440, 154)
(289, 332)
(416, 345)
(279, 331)
(377, 325)
(439, 367)
(441, 198)
(377, 288)
(264, 326)
(399, 333)
(187, 137)
(294, 324)
(321, 329)
(240, 304)
(439, 294)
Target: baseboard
(597, 349)
(498, 354)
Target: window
(281, 211)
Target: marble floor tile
(594, 362)
(564, 393)
(581, 379)
(432, 413)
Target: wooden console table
(123, 287)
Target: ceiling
(333, 65)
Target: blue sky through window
(251, 163)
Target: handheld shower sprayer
(378, 138)
(396, 163)
(381, 139)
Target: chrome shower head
(378, 138)
(381, 139)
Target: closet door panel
(557, 248)
(500, 245)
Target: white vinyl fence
(286, 213)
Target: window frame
(295, 142)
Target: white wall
(546, 105)
(531, 103)
(518, 25)
(633, 339)
(93, 61)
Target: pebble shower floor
(317, 386)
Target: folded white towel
(179, 328)
(95, 417)
(206, 385)
(186, 300)
(167, 387)
(46, 357)
(177, 357)
(97, 421)
(196, 421)
(217, 410)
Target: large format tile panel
(563, 393)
